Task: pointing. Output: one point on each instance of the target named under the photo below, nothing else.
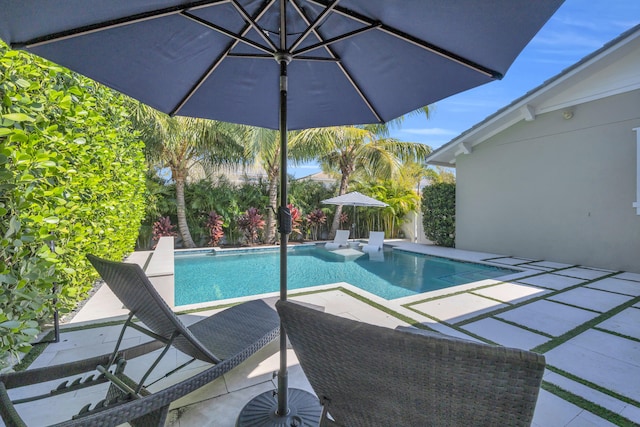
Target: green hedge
(71, 172)
(439, 213)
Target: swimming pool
(391, 274)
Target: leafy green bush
(201, 197)
(71, 172)
(439, 213)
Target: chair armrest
(8, 412)
(34, 376)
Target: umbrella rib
(346, 73)
(218, 61)
(312, 27)
(113, 23)
(226, 32)
(333, 40)
(302, 58)
(253, 24)
(416, 42)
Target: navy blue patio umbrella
(280, 64)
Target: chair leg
(325, 421)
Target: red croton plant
(214, 225)
(162, 227)
(250, 223)
(296, 219)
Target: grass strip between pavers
(596, 387)
(549, 345)
(387, 310)
(587, 405)
(617, 334)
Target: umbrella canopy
(355, 199)
(349, 62)
(352, 62)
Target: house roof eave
(524, 107)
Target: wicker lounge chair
(365, 375)
(225, 340)
(340, 241)
(375, 243)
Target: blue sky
(578, 28)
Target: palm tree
(263, 146)
(346, 149)
(401, 199)
(178, 143)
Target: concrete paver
(457, 308)
(625, 323)
(537, 267)
(512, 293)
(549, 317)
(601, 358)
(551, 281)
(617, 285)
(628, 276)
(511, 260)
(583, 273)
(550, 264)
(587, 419)
(557, 413)
(505, 334)
(606, 360)
(591, 299)
(592, 395)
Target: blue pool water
(207, 277)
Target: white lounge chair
(376, 240)
(340, 241)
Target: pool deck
(586, 321)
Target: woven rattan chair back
(129, 283)
(367, 375)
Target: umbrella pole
(294, 407)
(283, 380)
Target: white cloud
(567, 39)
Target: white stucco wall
(413, 228)
(555, 189)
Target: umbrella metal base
(304, 410)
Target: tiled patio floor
(586, 321)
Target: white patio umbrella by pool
(355, 199)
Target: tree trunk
(344, 181)
(183, 228)
(336, 222)
(270, 233)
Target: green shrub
(439, 213)
(71, 172)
